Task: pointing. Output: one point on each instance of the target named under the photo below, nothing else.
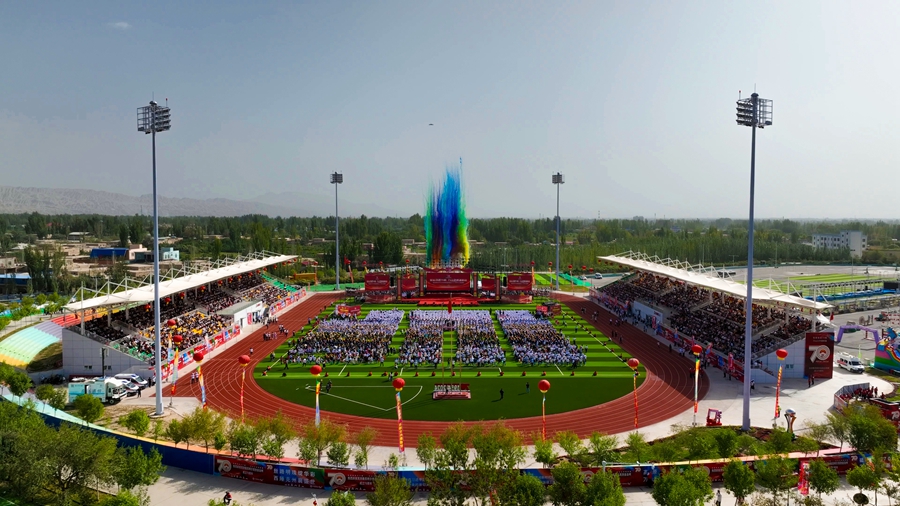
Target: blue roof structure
(109, 252)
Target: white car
(598, 276)
(134, 378)
(582, 277)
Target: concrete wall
(81, 357)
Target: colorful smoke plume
(446, 225)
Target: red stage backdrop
(489, 284)
(409, 284)
(518, 282)
(348, 310)
(447, 281)
(819, 355)
(378, 281)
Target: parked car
(134, 378)
(597, 275)
(130, 388)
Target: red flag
(832, 316)
(450, 306)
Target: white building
(854, 240)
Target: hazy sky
(633, 101)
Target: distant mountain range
(75, 201)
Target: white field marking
(558, 369)
(342, 369)
(363, 403)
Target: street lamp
(753, 112)
(336, 179)
(151, 119)
(558, 179)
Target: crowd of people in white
(537, 342)
(347, 340)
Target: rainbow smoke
(446, 225)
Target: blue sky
(632, 101)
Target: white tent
(760, 295)
(170, 286)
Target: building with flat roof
(854, 240)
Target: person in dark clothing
(501, 394)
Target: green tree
(499, 452)
(123, 235)
(868, 429)
(363, 441)
(426, 448)
(178, 432)
(338, 454)
(687, 488)
(543, 450)
(134, 468)
(313, 440)
(739, 479)
(568, 487)
(339, 498)
(387, 248)
(776, 474)
(78, 458)
(18, 383)
(638, 449)
(838, 427)
(822, 478)
(88, 407)
(604, 489)
(390, 490)
(574, 448)
(126, 498)
(602, 447)
(202, 425)
(444, 477)
(726, 443)
(818, 432)
(244, 438)
(277, 431)
(524, 490)
(862, 477)
(137, 420)
(159, 429)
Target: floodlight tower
(753, 112)
(336, 179)
(558, 179)
(151, 119)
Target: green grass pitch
(373, 396)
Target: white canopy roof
(169, 286)
(760, 295)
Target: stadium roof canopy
(168, 287)
(706, 277)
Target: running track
(667, 391)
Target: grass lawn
(833, 278)
(373, 396)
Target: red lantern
(550, 264)
(243, 360)
(591, 269)
(399, 383)
(532, 262)
(570, 267)
(633, 363)
(198, 357)
(346, 261)
(543, 386)
(407, 260)
(781, 353)
(696, 349)
(177, 340)
(315, 370)
(583, 267)
(364, 262)
(171, 323)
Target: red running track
(667, 391)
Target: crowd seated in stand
(100, 328)
(733, 308)
(720, 323)
(337, 340)
(267, 293)
(537, 342)
(683, 297)
(476, 339)
(243, 282)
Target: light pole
(558, 179)
(753, 112)
(151, 119)
(336, 179)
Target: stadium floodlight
(558, 179)
(151, 119)
(336, 179)
(753, 112)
